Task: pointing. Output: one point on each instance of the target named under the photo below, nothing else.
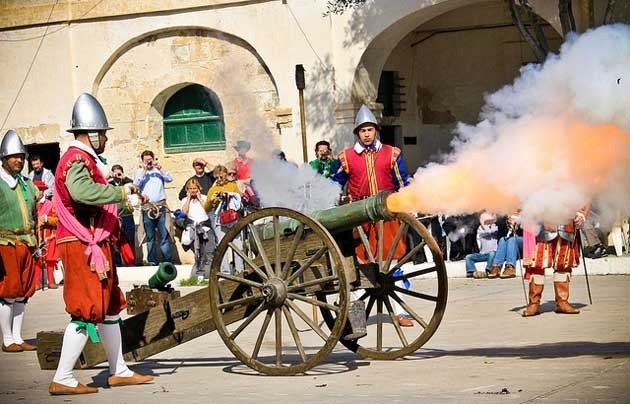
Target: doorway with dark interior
(49, 153)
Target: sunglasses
(231, 173)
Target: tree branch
(539, 52)
(540, 34)
(340, 6)
(565, 12)
(608, 13)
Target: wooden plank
(351, 270)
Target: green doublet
(17, 214)
(324, 167)
(84, 190)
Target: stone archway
(143, 74)
(446, 64)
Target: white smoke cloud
(590, 77)
(284, 184)
(554, 140)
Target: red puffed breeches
(18, 271)
(87, 298)
(559, 254)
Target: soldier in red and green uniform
(18, 243)
(88, 220)
(367, 168)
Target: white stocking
(73, 344)
(18, 320)
(112, 342)
(6, 321)
(398, 310)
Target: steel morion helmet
(11, 144)
(364, 116)
(88, 115)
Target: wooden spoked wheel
(263, 310)
(418, 289)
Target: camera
(118, 175)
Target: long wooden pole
(303, 126)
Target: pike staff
(520, 268)
(588, 285)
(512, 228)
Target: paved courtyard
(483, 352)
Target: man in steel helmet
(87, 208)
(18, 279)
(367, 168)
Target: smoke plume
(556, 139)
(284, 184)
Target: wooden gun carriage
(287, 267)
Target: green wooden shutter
(193, 121)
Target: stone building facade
(434, 60)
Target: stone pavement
(483, 352)
(603, 266)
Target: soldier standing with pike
(88, 218)
(557, 248)
(18, 244)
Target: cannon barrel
(346, 217)
(165, 273)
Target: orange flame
(529, 156)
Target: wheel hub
(386, 284)
(275, 292)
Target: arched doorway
(437, 74)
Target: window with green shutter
(193, 121)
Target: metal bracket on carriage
(170, 322)
(309, 252)
(181, 313)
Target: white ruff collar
(8, 178)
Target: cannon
(289, 261)
(277, 268)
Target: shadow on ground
(606, 350)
